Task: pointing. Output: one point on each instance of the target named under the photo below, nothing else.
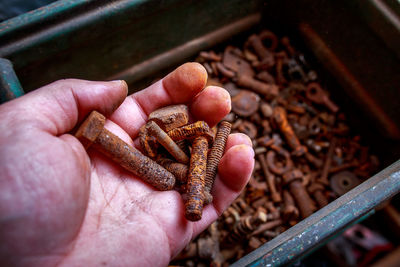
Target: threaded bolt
(216, 153)
(196, 179)
(92, 131)
(178, 169)
(189, 131)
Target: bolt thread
(196, 179)
(216, 153)
(189, 131)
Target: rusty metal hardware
(245, 103)
(92, 132)
(271, 159)
(276, 197)
(290, 211)
(317, 190)
(313, 128)
(196, 179)
(216, 152)
(293, 180)
(170, 117)
(343, 182)
(265, 89)
(284, 126)
(166, 141)
(316, 94)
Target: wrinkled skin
(62, 205)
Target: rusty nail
(178, 169)
(316, 94)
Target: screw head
(90, 128)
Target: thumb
(56, 108)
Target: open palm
(62, 205)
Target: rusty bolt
(170, 117)
(268, 90)
(317, 190)
(287, 131)
(178, 169)
(196, 178)
(189, 131)
(163, 138)
(328, 162)
(316, 94)
(92, 131)
(290, 211)
(218, 148)
(293, 180)
(267, 59)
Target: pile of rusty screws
(301, 140)
(165, 169)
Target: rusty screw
(92, 131)
(290, 211)
(317, 190)
(197, 176)
(163, 138)
(276, 197)
(284, 126)
(216, 152)
(189, 131)
(293, 180)
(179, 170)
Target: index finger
(180, 86)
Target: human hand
(60, 204)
